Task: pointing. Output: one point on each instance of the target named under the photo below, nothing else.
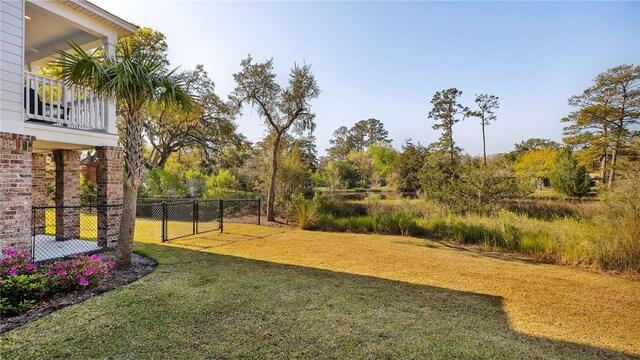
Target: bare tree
(281, 109)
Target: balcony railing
(50, 101)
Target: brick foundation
(109, 178)
(39, 190)
(67, 194)
(15, 191)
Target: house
(41, 115)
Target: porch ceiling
(46, 31)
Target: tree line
(174, 125)
(285, 162)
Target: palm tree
(134, 77)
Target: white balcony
(58, 116)
(48, 101)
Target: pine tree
(567, 177)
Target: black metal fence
(60, 231)
(192, 217)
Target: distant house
(89, 167)
(595, 177)
(545, 183)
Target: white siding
(11, 65)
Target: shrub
(22, 282)
(86, 186)
(359, 224)
(164, 183)
(19, 292)
(396, 224)
(567, 177)
(196, 183)
(621, 249)
(470, 188)
(19, 283)
(328, 206)
(330, 223)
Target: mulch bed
(140, 266)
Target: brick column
(39, 191)
(15, 191)
(67, 194)
(110, 177)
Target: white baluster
(73, 106)
(28, 94)
(94, 102)
(42, 91)
(50, 99)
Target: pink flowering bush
(80, 271)
(15, 263)
(22, 282)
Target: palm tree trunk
(127, 226)
(133, 162)
(271, 196)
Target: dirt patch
(140, 266)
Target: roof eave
(123, 27)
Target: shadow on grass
(203, 305)
(342, 313)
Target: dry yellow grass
(549, 301)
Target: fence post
(221, 211)
(195, 217)
(33, 234)
(259, 209)
(164, 221)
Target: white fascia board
(69, 138)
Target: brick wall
(67, 193)
(109, 181)
(15, 191)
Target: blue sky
(386, 60)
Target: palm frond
(134, 76)
(83, 69)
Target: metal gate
(191, 217)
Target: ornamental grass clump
(304, 211)
(23, 283)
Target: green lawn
(147, 230)
(233, 296)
